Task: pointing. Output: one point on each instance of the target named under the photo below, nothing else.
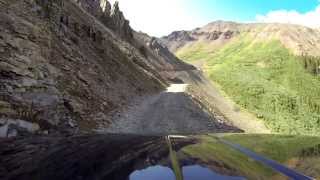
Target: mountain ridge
(269, 70)
(299, 39)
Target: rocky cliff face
(299, 39)
(66, 65)
(218, 32)
(177, 39)
(112, 17)
(159, 55)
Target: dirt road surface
(170, 112)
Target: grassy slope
(211, 150)
(195, 52)
(287, 150)
(277, 147)
(266, 79)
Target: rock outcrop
(111, 16)
(94, 7)
(177, 39)
(158, 54)
(119, 24)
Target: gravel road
(170, 112)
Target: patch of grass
(266, 79)
(286, 149)
(195, 52)
(211, 150)
(277, 147)
(298, 152)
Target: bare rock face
(180, 36)
(63, 69)
(218, 32)
(214, 35)
(163, 52)
(177, 39)
(91, 6)
(228, 34)
(68, 65)
(106, 7)
(119, 23)
(112, 17)
(159, 55)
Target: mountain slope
(66, 65)
(299, 39)
(258, 66)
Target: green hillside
(288, 150)
(265, 78)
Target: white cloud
(159, 17)
(310, 19)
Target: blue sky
(161, 17)
(246, 10)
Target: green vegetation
(266, 79)
(277, 147)
(286, 149)
(196, 52)
(211, 150)
(298, 152)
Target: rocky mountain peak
(219, 31)
(299, 39)
(115, 8)
(111, 16)
(119, 23)
(106, 7)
